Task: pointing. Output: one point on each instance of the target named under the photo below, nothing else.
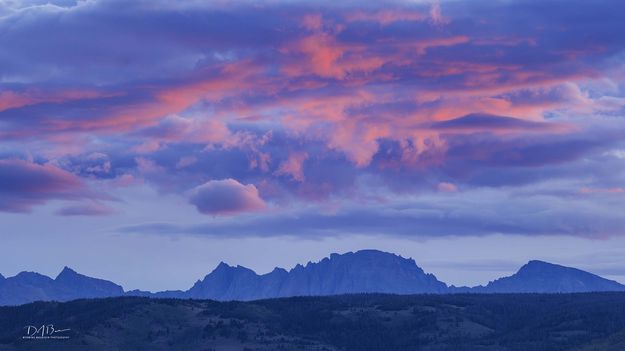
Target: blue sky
(147, 144)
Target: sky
(146, 141)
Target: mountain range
(366, 271)
(68, 285)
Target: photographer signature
(44, 331)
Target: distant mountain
(26, 287)
(72, 285)
(230, 283)
(68, 285)
(366, 271)
(544, 277)
(167, 294)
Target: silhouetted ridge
(544, 277)
(32, 278)
(365, 271)
(76, 286)
(66, 272)
(30, 286)
(225, 282)
(353, 272)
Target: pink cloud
(436, 15)
(422, 45)
(174, 129)
(587, 191)
(186, 161)
(260, 161)
(447, 187)
(293, 166)
(11, 99)
(319, 82)
(86, 209)
(322, 52)
(312, 22)
(167, 101)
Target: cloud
(385, 17)
(294, 74)
(293, 166)
(186, 161)
(86, 209)
(447, 187)
(435, 13)
(587, 191)
(491, 123)
(24, 184)
(226, 197)
(323, 104)
(530, 211)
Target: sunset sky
(145, 141)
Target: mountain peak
(278, 270)
(222, 266)
(75, 285)
(361, 271)
(372, 257)
(31, 275)
(538, 264)
(366, 254)
(67, 272)
(537, 267)
(541, 263)
(373, 253)
(225, 268)
(351, 272)
(31, 279)
(544, 277)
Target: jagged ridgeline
(366, 271)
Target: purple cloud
(491, 123)
(546, 209)
(318, 104)
(86, 209)
(226, 197)
(24, 184)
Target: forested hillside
(582, 322)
